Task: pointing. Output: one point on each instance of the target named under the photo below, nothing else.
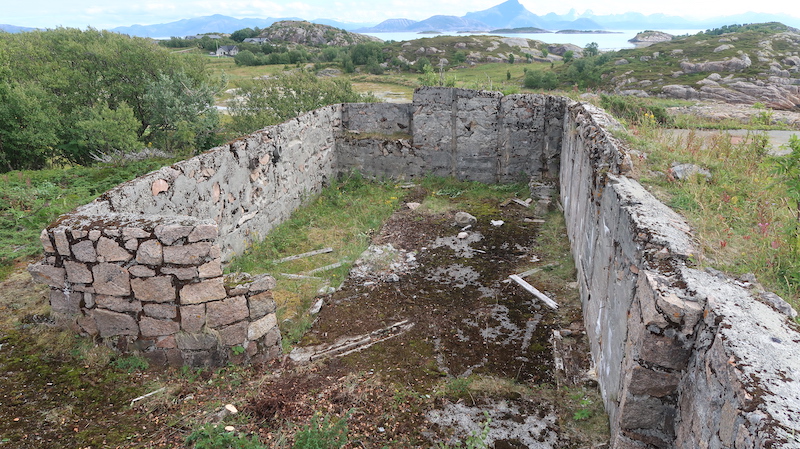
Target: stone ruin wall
(684, 358)
(141, 266)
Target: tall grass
(32, 199)
(741, 216)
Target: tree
(244, 33)
(267, 102)
(107, 130)
(245, 57)
(511, 58)
(69, 72)
(363, 54)
(182, 112)
(568, 55)
(419, 64)
(591, 49)
(28, 127)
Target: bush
(211, 436)
(268, 102)
(245, 57)
(322, 433)
(633, 110)
(537, 79)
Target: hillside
(752, 64)
(475, 49)
(313, 34)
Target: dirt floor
(427, 343)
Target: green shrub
(322, 433)
(211, 436)
(536, 79)
(634, 110)
(130, 364)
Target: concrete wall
(474, 135)
(684, 359)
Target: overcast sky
(113, 13)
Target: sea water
(614, 40)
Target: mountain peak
(509, 14)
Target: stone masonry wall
(141, 266)
(684, 358)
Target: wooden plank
(325, 268)
(300, 256)
(521, 203)
(525, 274)
(542, 297)
(301, 276)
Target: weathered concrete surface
(684, 359)
(480, 136)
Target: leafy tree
(106, 130)
(28, 127)
(182, 112)
(267, 102)
(568, 56)
(347, 64)
(363, 54)
(591, 49)
(374, 68)
(460, 57)
(584, 72)
(421, 63)
(67, 73)
(245, 33)
(511, 58)
(245, 57)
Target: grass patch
(343, 217)
(742, 218)
(32, 199)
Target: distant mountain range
(14, 28)
(509, 14)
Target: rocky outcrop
(777, 93)
(728, 65)
(314, 34)
(649, 37)
(560, 49)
